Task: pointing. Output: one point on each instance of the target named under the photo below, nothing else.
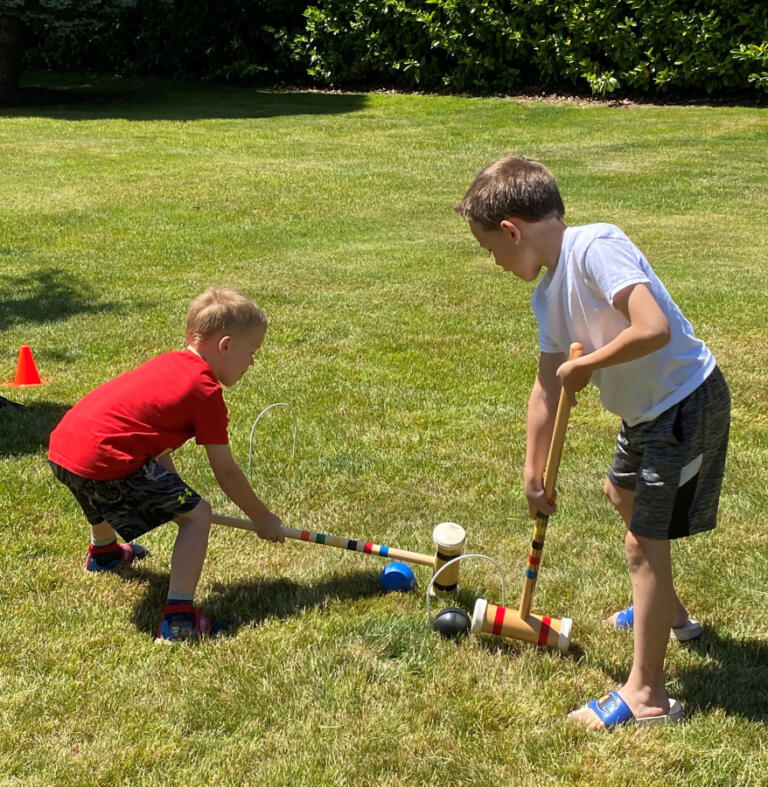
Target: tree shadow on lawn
(68, 97)
(251, 601)
(26, 429)
(46, 295)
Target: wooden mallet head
(505, 622)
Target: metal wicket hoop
(253, 428)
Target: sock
(177, 598)
(104, 541)
(105, 553)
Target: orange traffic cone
(26, 371)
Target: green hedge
(228, 40)
(649, 47)
(652, 48)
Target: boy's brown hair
(223, 309)
(514, 186)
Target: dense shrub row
(641, 46)
(637, 47)
(228, 40)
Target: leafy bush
(758, 55)
(232, 40)
(638, 46)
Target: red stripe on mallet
(498, 621)
(545, 629)
(368, 548)
(305, 535)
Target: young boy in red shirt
(112, 450)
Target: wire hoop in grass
(437, 573)
(253, 429)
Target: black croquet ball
(452, 622)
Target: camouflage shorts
(133, 505)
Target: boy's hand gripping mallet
(522, 625)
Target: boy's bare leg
(654, 598)
(656, 605)
(190, 549)
(624, 501)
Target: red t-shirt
(161, 404)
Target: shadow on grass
(733, 676)
(78, 97)
(25, 430)
(516, 648)
(251, 601)
(46, 295)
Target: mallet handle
(336, 541)
(550, 477)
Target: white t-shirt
(575, 304)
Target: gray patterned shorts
(133, 505)
(675, 463)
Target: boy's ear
(512, 228)
(224, 343)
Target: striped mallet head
(505, 622)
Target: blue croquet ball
(452, 622)
(397, 576)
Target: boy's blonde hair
(223, 309)
(515, 186)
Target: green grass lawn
(407, 357)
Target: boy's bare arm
(235, 486)
(542, 408)
(166, 460)
(648, 331)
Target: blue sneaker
(128, 553)
(184, 622)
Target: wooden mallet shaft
(354, 545)
(550, 477)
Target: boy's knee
(200, 515)
(204, 513)
(635, 554)
(653, 553)
(611, 493)
(622, 500)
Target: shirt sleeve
(539, 307)
(546, 345)
(611, 264)
(212, 418)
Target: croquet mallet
(522, 625)
(448, 537)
